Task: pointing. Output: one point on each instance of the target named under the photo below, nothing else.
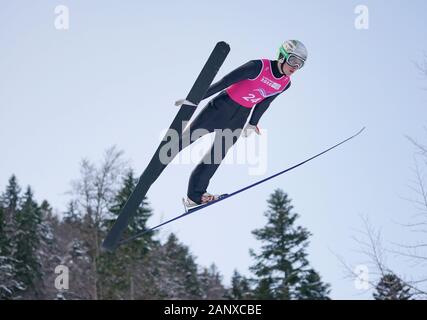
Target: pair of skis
(228, 195)
(155, 167)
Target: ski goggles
(294, 61)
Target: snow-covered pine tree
(7, 281)
(311, 287)
(11, 197)
(175, 271)
(49, 252)
(5, 245)
(10, 286)
(281, 267)
(71, 237)
(9, 202)
(211, 284)
(26, 243)
(240, 288)
(391, 287)
(119, 271)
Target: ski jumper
(253, 86)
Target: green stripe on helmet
(295, 47)
(283, 52)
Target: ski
(226, 196)
(155, 167)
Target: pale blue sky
(113, 77)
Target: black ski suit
(223, 113)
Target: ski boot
(206, 198)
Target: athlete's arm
(261, 107)
(249, 70)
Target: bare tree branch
(421, 148)
(93, 192)
(371, 247)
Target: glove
(249, 129)
(180, 102)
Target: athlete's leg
(231, 126)
(200, 126)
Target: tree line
(34, 241)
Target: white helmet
(293, 52)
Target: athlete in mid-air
(251, 87)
